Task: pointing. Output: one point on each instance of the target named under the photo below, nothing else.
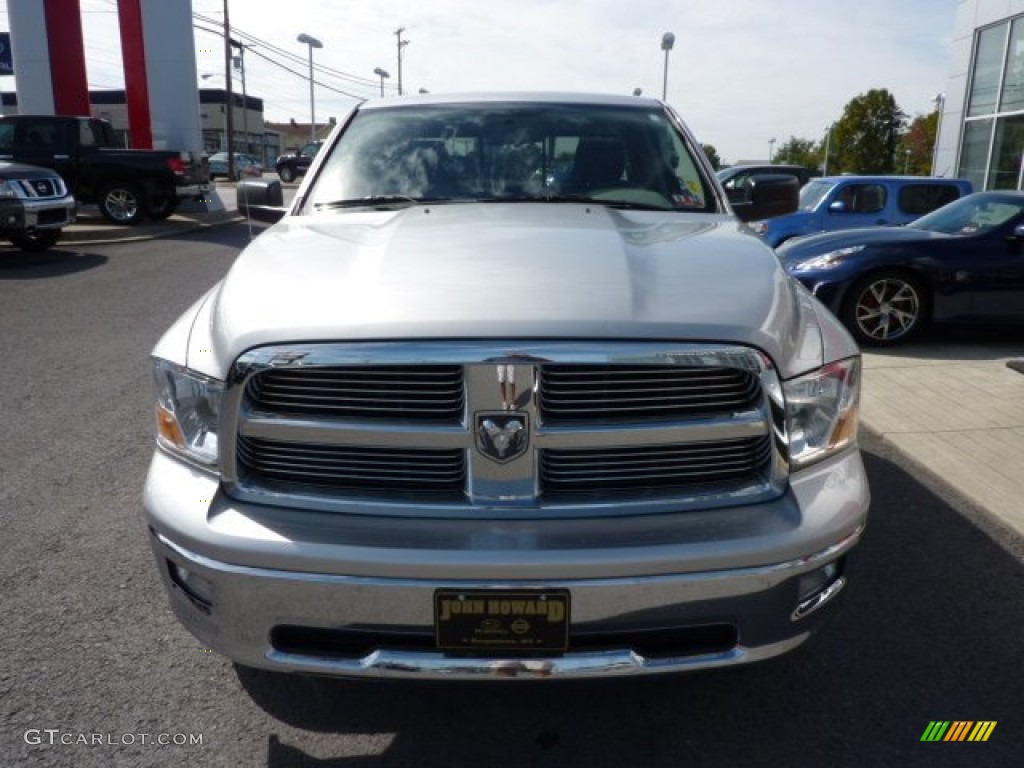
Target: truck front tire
(161, 205)
(36, 241)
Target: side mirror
(770, 195)
(261, 200)
(1018, 232)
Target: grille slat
(652, 468)
(604, 393)
(400, 392)
(379, 470)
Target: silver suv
(509, 391)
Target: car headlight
(759, 227)
(821, 411)
(827, 260)
(7, 189)
(187, 412)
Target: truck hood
(507, 271)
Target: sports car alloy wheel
(885, 309)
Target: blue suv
(844, 202)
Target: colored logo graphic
(958, 730)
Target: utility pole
(230, 106)
(401, 44)
(245, 97)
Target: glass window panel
(1006, 153)
(974, 152)
(988, 60)
(1012, 99)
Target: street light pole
(771, 147)
(312, 42)
(667, 41)
(401, 44)
(828, 140)
(381, 74)
(940, 106)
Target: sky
(742, 72)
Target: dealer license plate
(503, 621)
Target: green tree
(799, 152)
(712, 153)
(914, 152)
(867, 135)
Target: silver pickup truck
(509, 391)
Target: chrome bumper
(435, 666)
(260, 569)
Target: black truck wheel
(287, 174)
(38, 240)
(121, 203)
(161, 205)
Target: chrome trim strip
(809, 606)
(613, 663)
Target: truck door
(46, 142)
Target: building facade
(981, 130)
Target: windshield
(971, 215)
(520, 152)
(812, 193)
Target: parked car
(35, 205)
(245, 165)
(845, 202)
(290, 166)
(457, 417)
(961, 263)
(127, 184)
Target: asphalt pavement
(955, 410)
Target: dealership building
(981, 130)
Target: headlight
(827, 260)
(7, 189)
(821, 411)
(759, 227)
(187, 412)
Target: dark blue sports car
(961, 263)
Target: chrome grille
(655, 426)
(427, 393)
(50, 187)
(653, 468)
(361, 469)
(602, 393)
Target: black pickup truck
(128, 185)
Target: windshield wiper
(383, 202)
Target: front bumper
(20, 215)
(323, 593)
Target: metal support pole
(229, 123)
